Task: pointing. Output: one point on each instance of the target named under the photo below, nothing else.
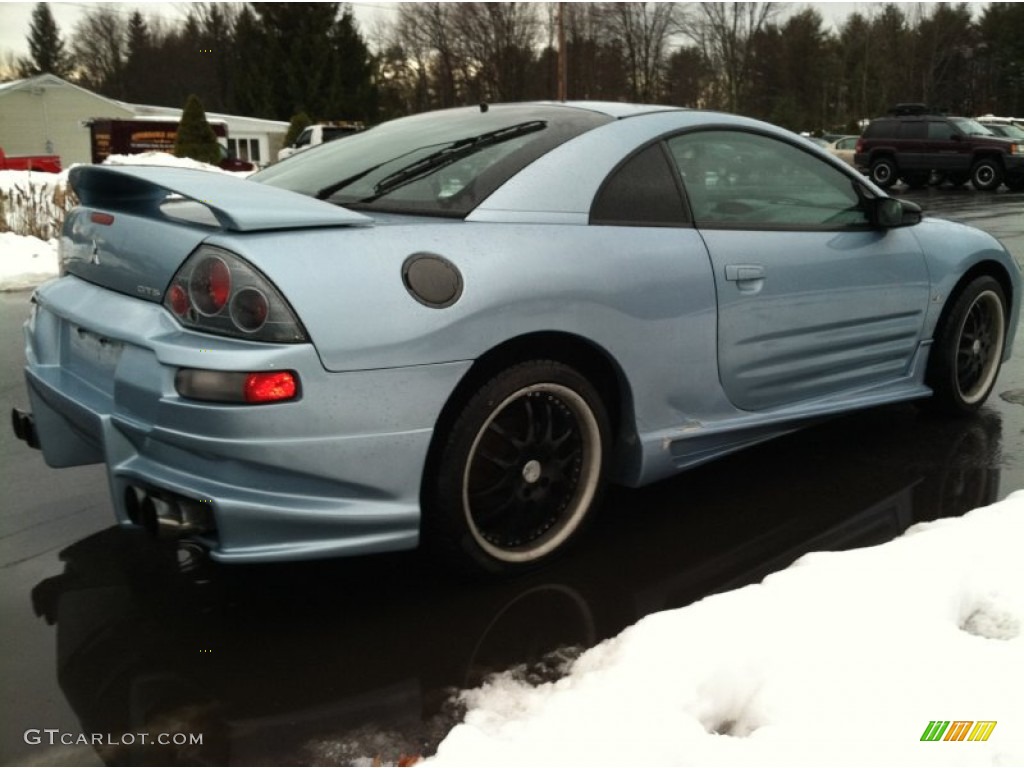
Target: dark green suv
(913, 147)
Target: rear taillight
(210, 285)
(217, 292)
(270, 387)
(860, 146)
(237, 386)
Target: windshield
(970, 127)
(1008, 130)
(439, 163)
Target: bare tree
(642, 31)
(498, 40)
(9, 66)
(726, 33)
(100, 46)
(424, 32)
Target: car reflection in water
(331, 662)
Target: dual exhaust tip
(162, 513)
(167, 515)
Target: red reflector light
(270, 387)
(102, 218)
(179, 300)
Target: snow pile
(842, 659)
(168, 160)
(33, 204)
(25, 261)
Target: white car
(844, 148)
(313, 135)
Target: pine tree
(298, 124)
(45, 46)
(196, 138)
(140, 60)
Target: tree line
(776, 62)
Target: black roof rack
(915, 109)
(901, 110)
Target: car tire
(987, 174)
(884, 172)
(520, 471)
(968, 348)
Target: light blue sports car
(457, 327)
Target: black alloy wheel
(522, 469)
(968, 348)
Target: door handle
(741, 272)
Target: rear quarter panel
(644, 296)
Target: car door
(946, 148)
(813, 301)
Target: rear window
(439, 163)
(881, 129)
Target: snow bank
(165, 159)
(842, 659)
(25, 261)
(35, 202)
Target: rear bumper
(336, 472)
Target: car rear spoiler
(237, 204)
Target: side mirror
(888, 212)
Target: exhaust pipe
(24, 426)
(165, 515)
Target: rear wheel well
(594, 363)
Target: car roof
(544, 191)
(615, 109)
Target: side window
(741, 180)
(642, 192)
(304, 137)
(913, 129)
(940, 131)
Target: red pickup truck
(45, 163)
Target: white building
(249, 138)
(48, 115)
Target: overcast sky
(16, 17)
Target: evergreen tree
(298, 124)
(140, 60)
(314, 61)
(196, 138)
(45, 46)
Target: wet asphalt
(105, 631)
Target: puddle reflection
(332, 662)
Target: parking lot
(327, 662)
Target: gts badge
(145, 290)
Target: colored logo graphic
(958, 730)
